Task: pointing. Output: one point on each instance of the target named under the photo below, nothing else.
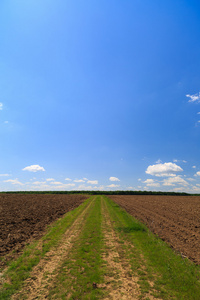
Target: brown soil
(175, 219)
(25, 216)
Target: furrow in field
(169, 217)
(38, 284)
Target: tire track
(120, 283)
(41, 278)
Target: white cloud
(194, 167)
(1, 105)
(113, 185)
(2, 175)
(139, 179)
(163, 170)
(39, 182)
(148, 181)
(130, 188)
(50, 179)
(79, 180)
(194, 98)
(176, 160)
(60, 185)
(41, 187)
(93, 181)
(14, 181)
(174, 180)
(68, 179)
(158, 161)
(198, 173)
(69, 184)
(114, 179)
(33, 168)
(198, 113)
(151, 182)
(84, 187)
(191, 179)
(56, 182)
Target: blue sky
(100, 95)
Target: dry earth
(175, 219)
(24, 217)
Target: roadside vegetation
(110, 250)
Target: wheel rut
(119, 281)
(41, 278)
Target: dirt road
(117, 281)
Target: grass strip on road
(18, 271)
(80, 275)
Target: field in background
(175, 219)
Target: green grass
(20, 269)
(84, 265)
(174, 276)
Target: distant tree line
(103, 193)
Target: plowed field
(25, 216)
(175, 219)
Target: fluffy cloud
(50, 179)
(4, 175)
(61, 185)
(174, 180)
(33, 168)
(113, 185)
(194, 167)
(194, 98)
(1, 106)
(14, 181)
(68, 179)
(56, 182)
(39, 182)
(84, 187)
(93, 181)
(198, 173)
(191, 179)
(151, 182)
(79, 180)
(114, 179)
(163, 170)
